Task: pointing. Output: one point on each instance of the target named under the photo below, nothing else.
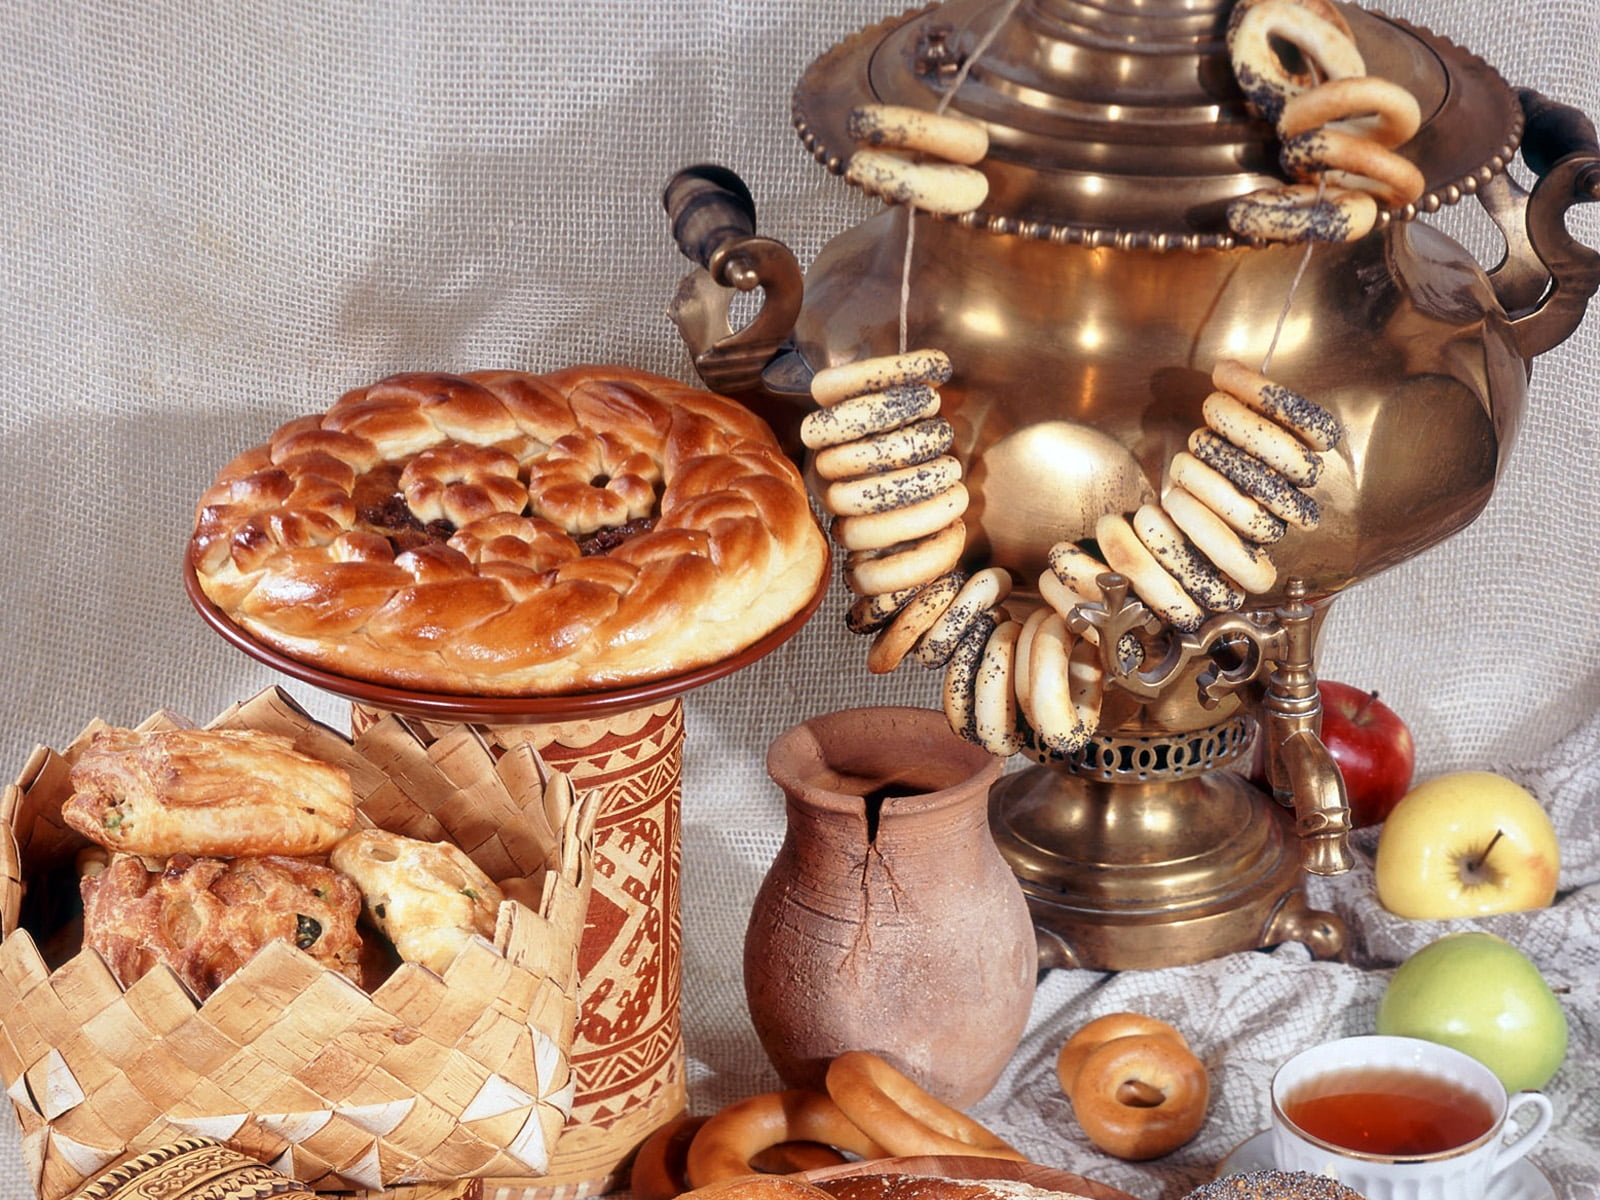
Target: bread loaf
(504, 533)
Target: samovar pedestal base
(1136, 873)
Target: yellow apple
(1466, 844)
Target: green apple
(1480, 994)
(1466, 844)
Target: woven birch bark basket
(423, 1079)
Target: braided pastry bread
(505, 533)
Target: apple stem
(1372, 698)
(1477, 863)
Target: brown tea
(1390, 1111)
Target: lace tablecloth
(218, 217)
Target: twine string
(911, 217)
(1294, 284)
(961, 74)
(1305, 255)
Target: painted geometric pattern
(629, 956)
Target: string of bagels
(1242, 482)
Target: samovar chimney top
(1119, 121)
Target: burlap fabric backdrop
(216, 217)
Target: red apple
(1372, 746)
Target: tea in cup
(1398, 1118)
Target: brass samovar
(1083, 305)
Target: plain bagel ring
(1141, 1096)
(790, 1158)
(730, 1139)
(660, 1166)
(1101, 1030)
(901, 1116)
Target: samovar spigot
(1300, 770)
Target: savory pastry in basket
(206, 792)
(504, 533)
(428, 898)
(205, 917)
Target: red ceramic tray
(494, 710)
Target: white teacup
(1355, 1142)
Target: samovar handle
(1547, 277)
(714, 224)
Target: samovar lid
(1118, 122)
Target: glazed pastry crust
(504, 533)
(205, 917)
(428, 898)
(218, 792)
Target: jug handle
(713, 220)
(1547, 277)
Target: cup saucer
(1520, 1181)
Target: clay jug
(888, 920)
